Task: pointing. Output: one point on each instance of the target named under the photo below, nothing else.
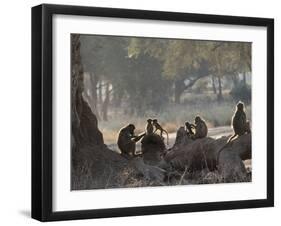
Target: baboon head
(240, 106)
(131, 128)
(149, 120)
(187, 124)
(197, 119)
(154, 121)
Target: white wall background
(15, 93)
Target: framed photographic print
(145, 112)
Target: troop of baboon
(127, 139)
(199, 126)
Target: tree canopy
(146, 73)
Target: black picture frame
(42, 107)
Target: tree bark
(94, 96)
(219, 96)
(244, 78)
(106, 103)
(214, 85)
(178, 90)
(180, 85)
(117, 96)
(84, 122)
(100, 92)
(235, 80)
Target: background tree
(140, 75)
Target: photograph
(153, 111)
(145, 112)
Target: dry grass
(83, 178)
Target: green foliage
(185, 55)
(104, 55)
(145, 86)
(146, 74)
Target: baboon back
(239, 123)
(201, 130)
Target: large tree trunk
(235, 79)
(244, 78)
(105, 103)
(178, 90)
(214, 84)
(117, 96)
(84, 123)
(219, 96)
(94, 96)
(94, 166)
(100, 92)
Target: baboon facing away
(201, 129)
(239, 122)
(149, 127)
(159, 127)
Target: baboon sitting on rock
(127, 140)
(200, 127)
(239, 122)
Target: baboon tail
(231, 138)
(167, 137)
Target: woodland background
(127, 80)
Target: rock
(152, 173)
(203, 154)
(152, 147)
(230, 160)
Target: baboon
(149, 127)
(201, 129)
(239, 123)
(159, 127)
(188, 129)
(127, 140)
